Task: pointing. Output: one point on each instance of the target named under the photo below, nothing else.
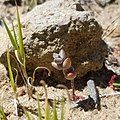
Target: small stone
(103, 3)
(92, 90)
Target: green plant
(54, 110)
(12, 81)
(27, 114)
(116, 86)
(19, 52)
(13, 85)
(48, 111)
(62, 109)
(116, 83)
(61, 62)
(39, 109)
(2, 114)
(17, 43)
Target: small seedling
(61, 62)
(19, 52)
(50, 114)
(47, 107)
(17, 43)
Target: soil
(109, 106)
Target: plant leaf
(27, 114)
(20, 37)
(12, 38)
(10, 73)
(62, 110)
(47, 107)
(18, 57)
(62, 54)
(55, 65)
(47, 110)
(55, 55)
(54, 111)
(14, 33)
(39, 110)
(2, 114)
(116, 84)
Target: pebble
(103, 3)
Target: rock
(4, 41)
(12, 2)
(59, 24)
(103, 3)
(3, 74)
(113, 42)
(41, 1)
(113, 59)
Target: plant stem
(24, 72)
(64, 87)
(73, 88)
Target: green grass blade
(54, 111)
(2, 114)
(15, 37)
(47, 110)
(116, 84)
(17, 55)
(62, 109)
(10, 73)
(39, 110)
(12, 39)
(27, 114)
(20, 37)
